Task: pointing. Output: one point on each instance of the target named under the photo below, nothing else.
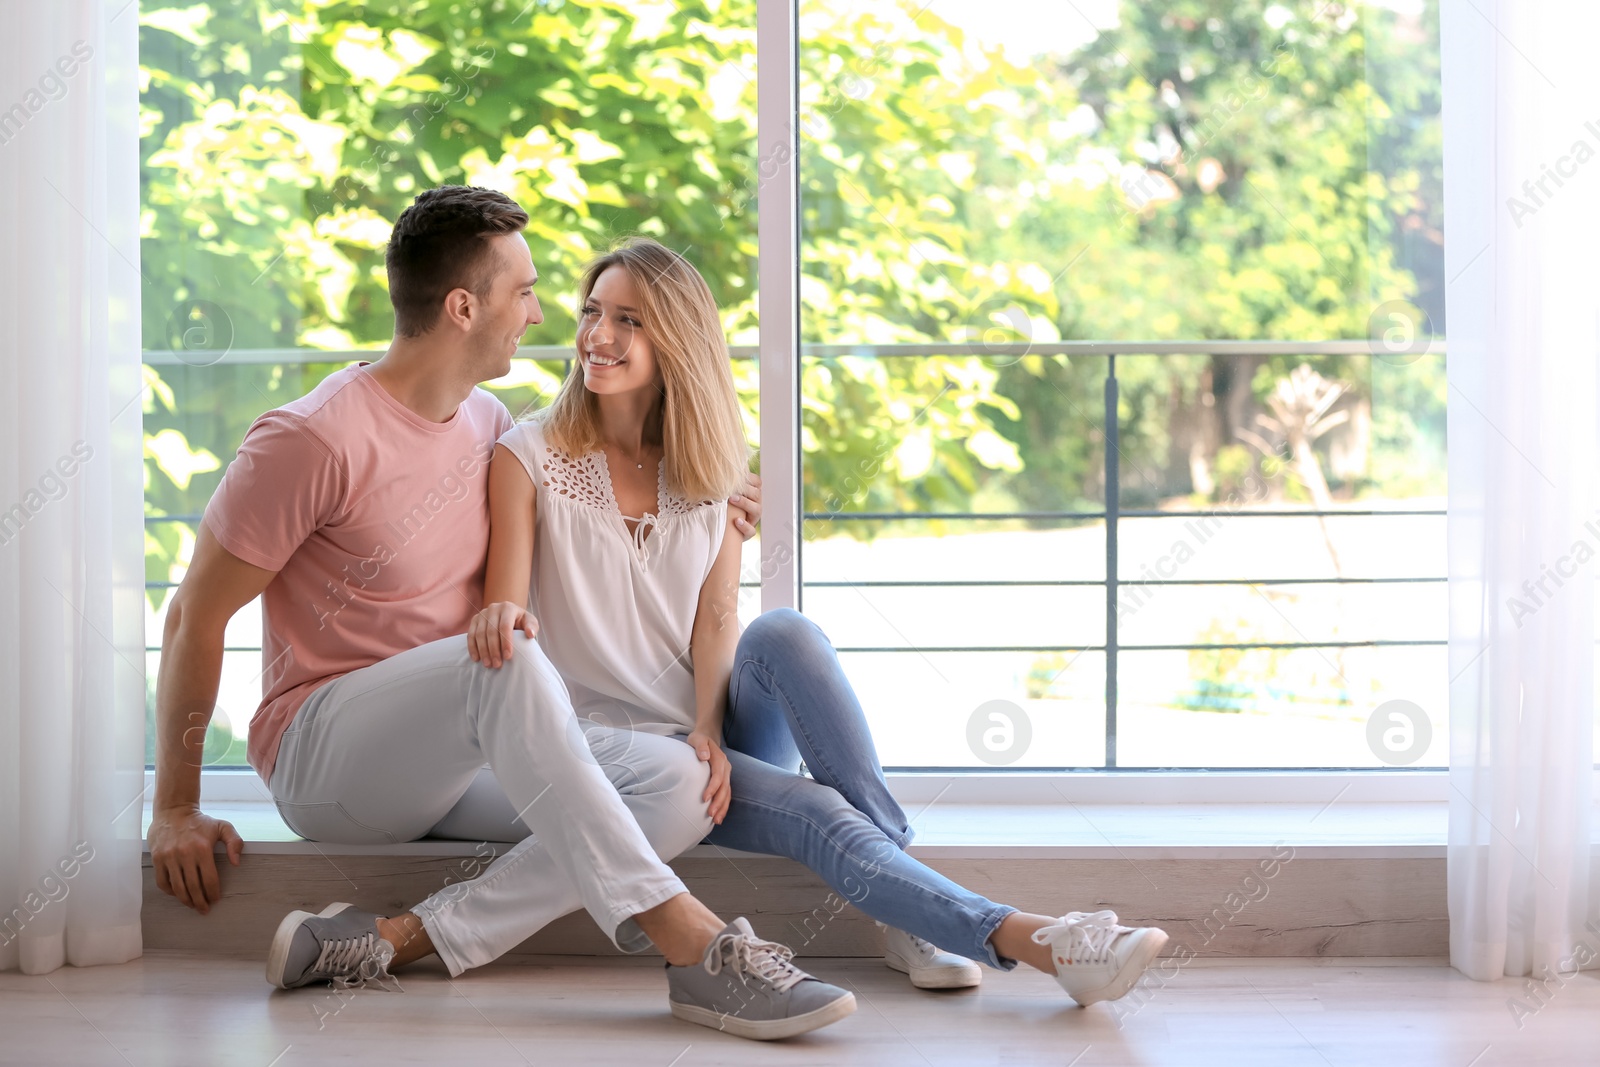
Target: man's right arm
(182, 838)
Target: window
(992, 191)
(1221, 228)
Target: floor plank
(167, 1010)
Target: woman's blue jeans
(789, 700)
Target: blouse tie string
(639, 544)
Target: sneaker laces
(1089, 935)
(767, 961)
(352, 962)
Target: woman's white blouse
(616, 609)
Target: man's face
(508, 310)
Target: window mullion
(778, 298)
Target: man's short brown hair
(441, 243)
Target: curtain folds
(72, 688)
(1522, 174)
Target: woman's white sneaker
(1096, 959)
(928, 967)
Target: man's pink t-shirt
(377, 522)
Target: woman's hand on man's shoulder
(745, 507)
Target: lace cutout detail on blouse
(672, 503)
(587, 480)
(581, 478)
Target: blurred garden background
(1005, 179)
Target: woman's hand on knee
(718, 793)
(489, 632)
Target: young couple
(445, 589)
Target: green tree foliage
(1232, 171)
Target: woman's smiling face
(613, 348)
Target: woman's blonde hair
(696, 421)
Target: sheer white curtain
(71, 541)
(1522, 180)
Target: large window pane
(986, 183)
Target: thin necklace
(637, 466)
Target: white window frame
(778, 297)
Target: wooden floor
(166, 1010)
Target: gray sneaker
(340, 946)
(747, 987)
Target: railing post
(1113, 506)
